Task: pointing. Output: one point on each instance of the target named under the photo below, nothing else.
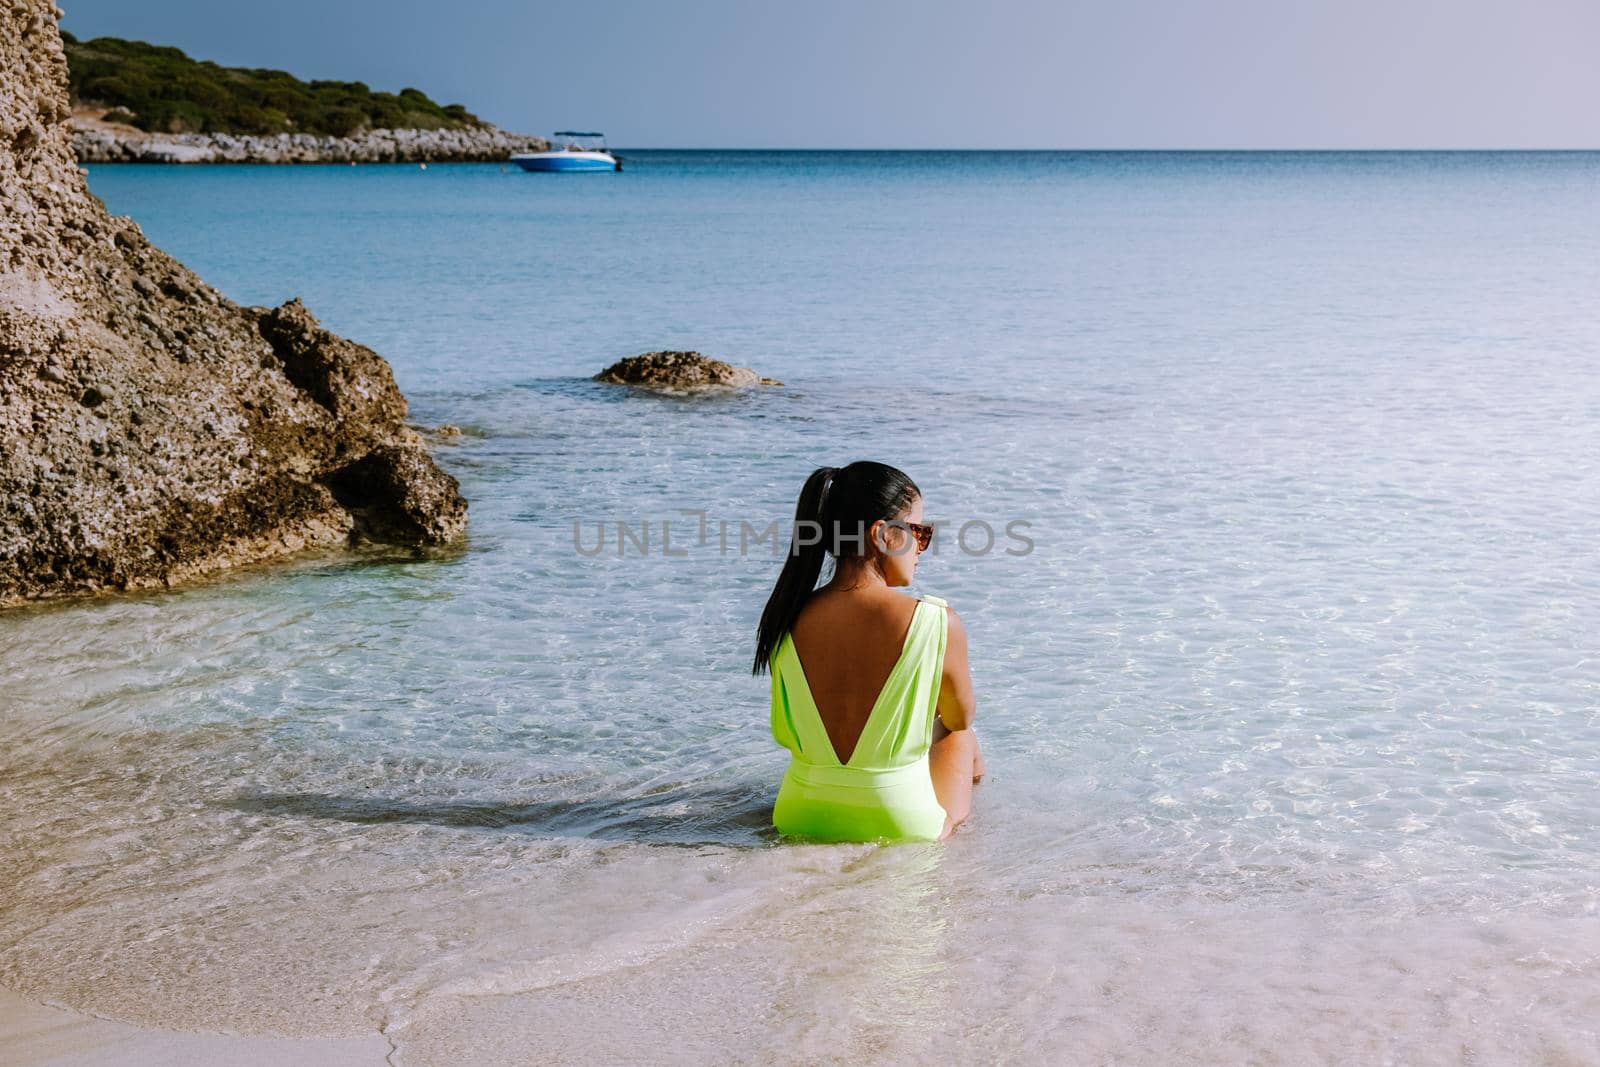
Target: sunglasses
(923, 534)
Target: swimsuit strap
(912, 690)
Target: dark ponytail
(837, 506)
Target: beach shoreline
(42, 1034)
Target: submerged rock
(679, 370)
(150, 429)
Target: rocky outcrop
(150, 429)
(677, 371)
(97, 141)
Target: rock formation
(676, 371)
(150, 429)
(97, 141)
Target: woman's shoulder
(953, 626)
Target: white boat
(571, 150)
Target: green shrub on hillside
(161, 90)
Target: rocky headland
(95, 140)
(680, 371)
(138, 102)
(150, 429)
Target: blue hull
(557, 163)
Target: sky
(939, 73)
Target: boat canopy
(578, 141)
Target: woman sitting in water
(879, 720)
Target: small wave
(703, 814)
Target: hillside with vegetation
(161, 90)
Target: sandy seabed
(39, 1035)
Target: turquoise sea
(1291, 703)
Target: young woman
(871, 693)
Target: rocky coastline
(151, 430)
(97, 141)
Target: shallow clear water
(1291, 711)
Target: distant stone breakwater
(103, 144)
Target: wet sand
(36, 1035)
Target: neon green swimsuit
(884, 793)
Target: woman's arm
(957, 704)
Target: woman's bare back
(848, 643)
